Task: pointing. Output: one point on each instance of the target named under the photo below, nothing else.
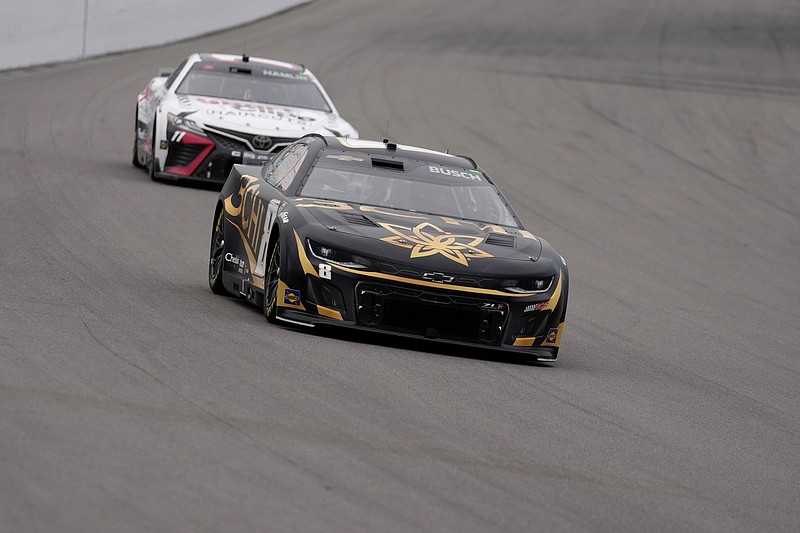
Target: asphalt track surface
(655, 144)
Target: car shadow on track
(421, 345)
(365, 337)
(139, 174)
(205, 186)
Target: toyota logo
(262, 142)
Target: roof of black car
(390, 149)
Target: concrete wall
(33, 32)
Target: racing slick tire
(270, 304)
(217, 255)
(151, 165)
(135, 160)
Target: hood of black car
(408, 236)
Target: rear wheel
(217, 255)
(135, 161)
(271, 284)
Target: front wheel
(217, 254)
(151, 167)
(271, 284)
(135, 161)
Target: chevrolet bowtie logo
(437, 277)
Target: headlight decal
(181, 122)
(335, 256)
(538, 285)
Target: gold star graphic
(426, 239)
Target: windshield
(420, 190)
(256, 85)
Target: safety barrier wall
(34, 32)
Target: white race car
(216, 110)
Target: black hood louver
(500, 239)
(358, 219)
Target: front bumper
(210, 157)
(528, 325)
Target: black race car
(391, 238)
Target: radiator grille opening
(182, 155)
(430, 314)
(432, 320)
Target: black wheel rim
(217, 250)
(273, 276)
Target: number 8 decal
(324, 271)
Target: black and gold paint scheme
(405, 273)
(245, 211)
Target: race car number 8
(324, 271)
